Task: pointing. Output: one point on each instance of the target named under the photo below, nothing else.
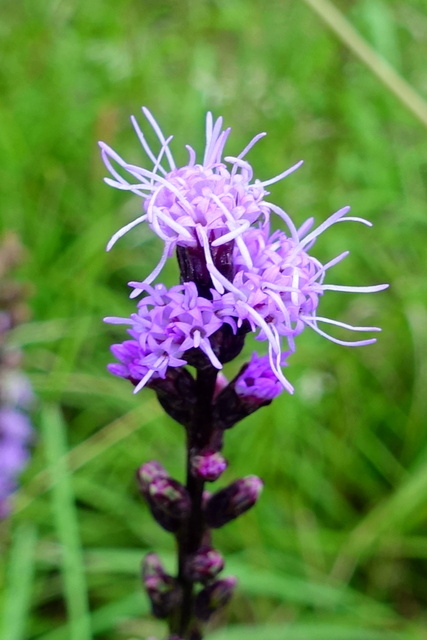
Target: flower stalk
(191, 535)
(236, 278)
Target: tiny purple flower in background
(16, 394)
(15, 437)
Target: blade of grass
(92, 447)
(367, 54)
(305, 631)
(253, 582)
(390, 515)
(20, 578)
(108, 616)
(65, 519)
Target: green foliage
(337, 546)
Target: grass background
(337, 547)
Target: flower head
(257, 381)
(279, 295)
(202, 205)
(234, 270)
(167, 325)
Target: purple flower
(279, 294)
(168, 324)
(199, 205)
(15, 389)
(15, 436)
(233, 270)
(257, 381)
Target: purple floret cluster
(234, 270)
(168, 324)
(257, 380)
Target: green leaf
(20, 573)
(66, 523)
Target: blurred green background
(336, 549)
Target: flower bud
(213, 597)
(231, 502)
(204, 565)
(152, 566)
(168, 500)
(256, 383)
(162, 590)
(170, 497)
(208, 466)
(147, 472)
(255, 386)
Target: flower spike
(236, 277)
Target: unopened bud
(162, 590)
(213, 597)
(152, 566)
(257, 383)
(170, 497)
(148, 471)
(255, 386)
(208, 466)
(231, 502)
(204, 565)
(168, 500)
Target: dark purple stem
(191, 534)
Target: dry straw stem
(367, 54)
